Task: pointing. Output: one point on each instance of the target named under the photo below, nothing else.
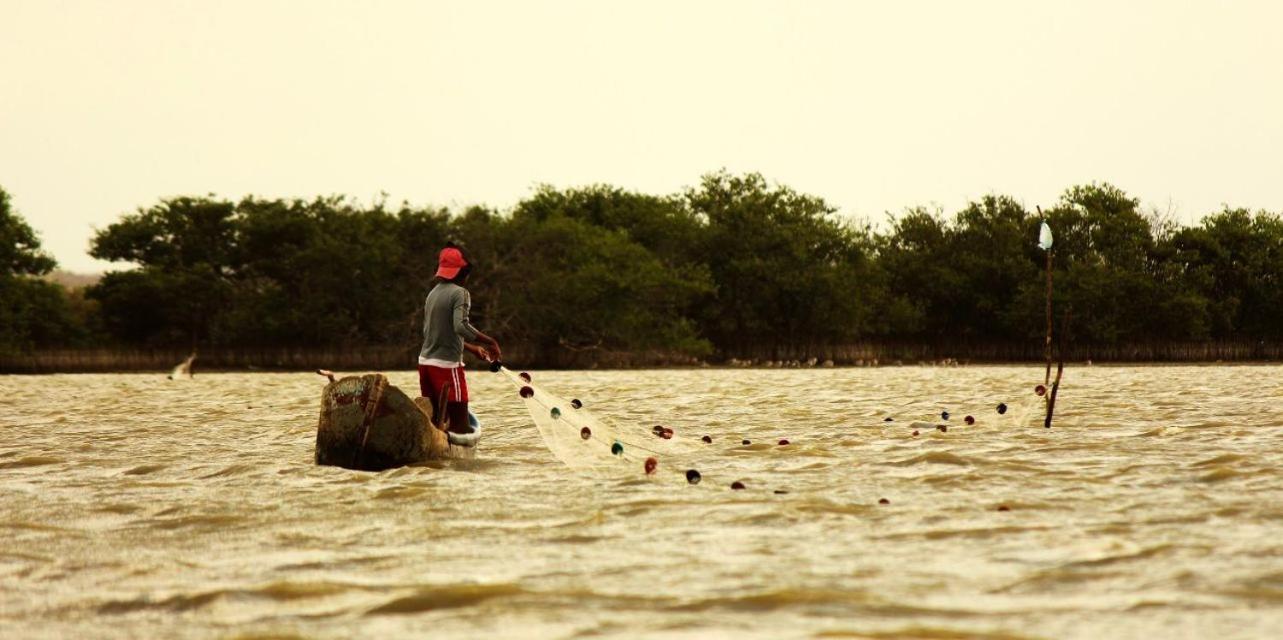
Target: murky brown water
(132, 506)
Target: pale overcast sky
(110, 105)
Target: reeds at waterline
(863, 353)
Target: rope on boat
(371, 408)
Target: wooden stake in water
(1060, 370)
(1047, 345)
(1044, 243)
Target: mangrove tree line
(733, 265)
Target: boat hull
(369, 425)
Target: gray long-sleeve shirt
(445, 323)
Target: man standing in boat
(447, 332)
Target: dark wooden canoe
(370, 425)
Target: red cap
(449, 262)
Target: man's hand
(493, 348)
(479, 351)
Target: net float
(737, 485)
(692, 476)
(526, 392)
(650, 466)
(586, 433)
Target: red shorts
(432, 380)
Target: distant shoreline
(867, 354)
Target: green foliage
(321, 272)
(20, 252)
(36, 314)
(788, 273)
(33, 313)
(734, 265)
(1234, 261)
(186, 248)
(586, 287)
(663, 225)
(1112, 276)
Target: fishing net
(581, 440)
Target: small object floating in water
(942, 428)
(650, 466)
(657, 430)
(586, 433)
(526, 392)
(707, 440)
(888, 419)
(496, 366)
(692, 476)
(969, 420)
(784, 442)
(737, 485)
(1040, 390)
(1003, 507)
(616, 449)
(1002, 408)
(944, 415)
(576, 404)
(746, 441)
(524, 376)
(184, 370)
(555, 413)
(915, 432)
(883, 501)
(666, 434)
(780, 492)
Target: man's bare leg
(458, 412)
